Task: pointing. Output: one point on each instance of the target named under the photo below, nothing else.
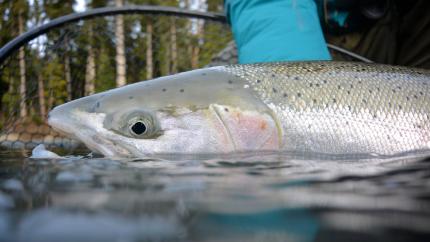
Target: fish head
(201, 111)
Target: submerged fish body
(324, 107)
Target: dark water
(254, 197)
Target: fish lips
(87, 135)
(71, 119)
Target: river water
(242, 197)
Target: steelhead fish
(324, 107)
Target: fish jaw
(85, 127)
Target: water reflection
(246, 197)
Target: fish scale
(344, 107)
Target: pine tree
(120, 48)
(22, 70)
(149, 50)
(37, 10)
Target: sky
(79, 6)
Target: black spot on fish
(230, 81)
(97, 104)
(388, 137)
(364, 100)
(339, 87)
(400, 107)
(182, 90)
(359, 82)
(258, 81)
(325, 81)
(352, 86)
(273, 75)
(226, 109)
(349, 108)
(389, 104)
(378, 89)
(394, 91)
(318, 85)
(347, 123)
(374, 116)
(415, 96)
(407, 98)
(164, 89)
(310, 84)
(130, 97)
(274, 90)
(399, 87)
(299, 94)
(421, 93)
(334, 100)
(315, 101)
(370, 91)
(349, 92)
(296, 78)
(285, 95)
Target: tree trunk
(196, 48)
(90, 72)
(120, 48)
(164, 44)
(51, 96)
(67, 70)
(40, 79)
(22, 85)
(173, 47)
(41, 94)
(195, 57)
(149, 59)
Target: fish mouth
(71, 123)
(64, 128)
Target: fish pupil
(138, 128)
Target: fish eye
(140, 124)
(138, 128)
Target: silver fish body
(339, 107)
(324, 107)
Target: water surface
(246, 197)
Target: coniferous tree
(120, 48)
(22, 70)
(55, 9)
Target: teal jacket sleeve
(276, 30)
